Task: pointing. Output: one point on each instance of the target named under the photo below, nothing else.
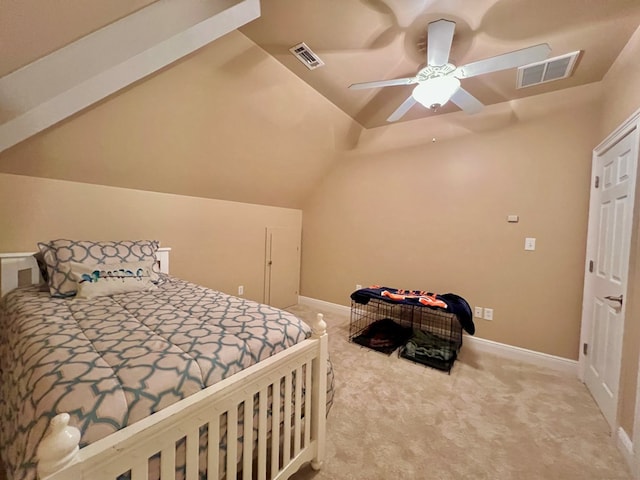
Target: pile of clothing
(425, 347)
(384, 336)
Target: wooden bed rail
(296, 437)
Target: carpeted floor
(490, 419)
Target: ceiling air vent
(306, 56)
(547, 70)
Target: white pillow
(111, 279)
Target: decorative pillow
(111, 279)
(58, 254)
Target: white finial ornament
(319, 327)
(58, 447)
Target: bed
(159, 378)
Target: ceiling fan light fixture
(435, 92)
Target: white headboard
(18, 269)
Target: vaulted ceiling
(365, 40)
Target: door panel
(616, 168)
(618, 262)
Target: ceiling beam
(74, 77)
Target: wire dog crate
(422, 334)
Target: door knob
(614, 299)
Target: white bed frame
(129, 449)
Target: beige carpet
(491, 418)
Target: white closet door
(282, 269)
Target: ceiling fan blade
(439, 38)
(402, 109)
(384, 83)
(513, 59)
(466, 101)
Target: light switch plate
(488, 313)
(529, 243)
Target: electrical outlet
(488, 314)
(241, 290)
(358, 287)
(478, 312)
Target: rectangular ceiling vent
(306, 56)
(547, 71)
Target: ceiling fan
(439, 82)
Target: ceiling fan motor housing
(433, 71)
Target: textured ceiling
(367, 40)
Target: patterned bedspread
(111, 361)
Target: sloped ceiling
(227, 122)
(367, 40)
(31, 29)
(81, 71)
(241, 119)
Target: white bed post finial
(58, 447)
(319, 327)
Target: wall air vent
(306, 56)
(547, 70)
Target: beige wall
(216, 243)
(621, 100)
(434, 216)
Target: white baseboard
(521, 354)
(625, 445)
(475, 343)
(326, 306)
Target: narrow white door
(282, 269)
(606, 279)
